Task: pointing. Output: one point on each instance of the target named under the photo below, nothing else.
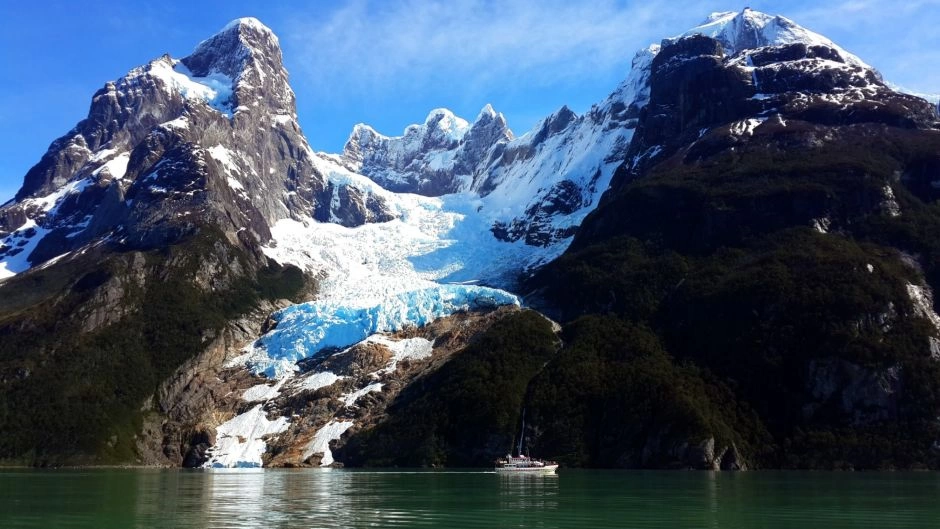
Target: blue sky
(389, 63)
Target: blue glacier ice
(304, 330)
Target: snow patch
(746, 127)
(922, 298)
(407, 349)
(234, 184)
(116, 167)
(215, 89)
(50, 202)
(315, 381)
(890, 203)
(240, 441)
(350, 399)
(737, 29)
(263, 392)
(23, 246)
(225, 157)
(102, 154)
(250, 22)
(822, 224)
(179, 123)
(320, 444)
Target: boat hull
(547, 469)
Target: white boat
(525, 465)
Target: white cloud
(366, 46)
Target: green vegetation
(711, 257)
(74, 396)
(467, 413)
(613, 398)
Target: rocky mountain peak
(230, 49)
(361, 134)
(441, 129)
(247, 55)
(633, 92)
(444, 120)
(486, 112)
(441, 155)
(749, 29)
(555, 123)
(489, 129)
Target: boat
(525, 465)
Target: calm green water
(345, 498)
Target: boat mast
(522, 431)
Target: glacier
(304, 330)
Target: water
(348, 498)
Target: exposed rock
(201, 395)
(441, 156)
(866, 395)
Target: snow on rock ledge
(320, 444)
(922, 299)
(240, 440)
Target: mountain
(213, 135)
(535, 188)
(738, 242)
(774, 236)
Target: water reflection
(521, 491)
(239, 493)
(344, 498)
(711, 488)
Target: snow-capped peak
(247, 32)
(487, 111)
(360, 129)
(248, 22)
(238, 44)
(443, 120)
(747, 29)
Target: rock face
(180, 424)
